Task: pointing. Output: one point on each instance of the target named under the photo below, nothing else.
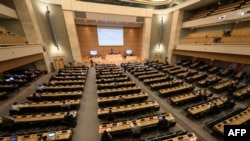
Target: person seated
(135, 129)
(163, 123)
(110, 116)
(106, 136)
(121, 100)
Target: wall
(87, 36)
(60, 30)
(13, 26)
(155, 48)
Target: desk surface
(116, 98)
(126, 125)
(186, 137)
(59, 135)
(205, 106)
(48, 103)
(238, 119)
(131, 107)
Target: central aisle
(88, 123)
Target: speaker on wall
(52, 28)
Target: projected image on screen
(108, 36)
(93, 53)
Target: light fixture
(52, 28)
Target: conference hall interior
(80, 70)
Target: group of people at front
(163, 125)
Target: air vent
(80, 14)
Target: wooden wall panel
(242, 59)
(14, 63)
(88, 40)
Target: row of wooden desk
(60, 135)
(24, 119)
(148, 76)
(180, 70)
(29, 107)
(197, 109)
(196, 77)
(243, 92)
(195, 95)
(149, 81)
(103, 112)
(176, 89)
(116, 85)
(166, 84)
(118, 91)
(238, 119)
(142, 122)
(67, 82)
(189, 72)
(55, 95)
(209, 80)
(127, 98)
(145, 72)
(224, 85)
(56, 88)
(119, 79)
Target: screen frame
(121, 43)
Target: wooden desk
(209, 80)
(53, 88)
(155, 79)
(180, 88)
(48, 106)
(118, 84)
(186, 137)
(51, 95)
(242, 92)
(143, 122)
(223, 85)
(114, 99)
(59, 135)
(118, 91)
(19, 119)
(180, 70)
(67, 82)
(205, 106)
(68, 77)
(120, 79)
(128, 108)
(166, 84)
(238, 119)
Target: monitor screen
(13, 138)
(160, 117)
(51, 134)
(93, 52)
(129, 52)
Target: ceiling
(153, 4)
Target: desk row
(64, 135)
(142, 122)
(153, 105)
(127, 98)
(118, 91)
(45, 106)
